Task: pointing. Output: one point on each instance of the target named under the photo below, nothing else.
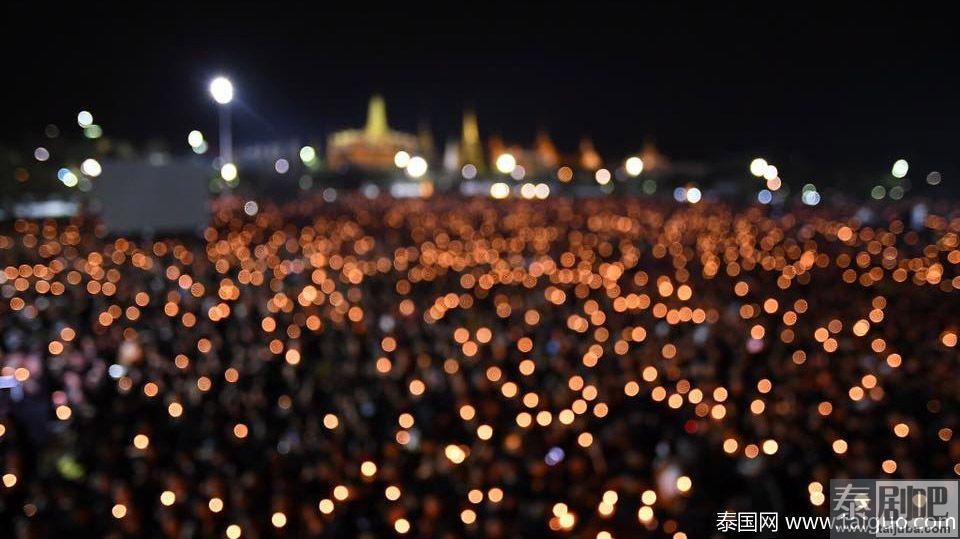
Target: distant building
(495, 147)
(546, 150)
(370, 148)
(542, 157)
(425, 145)
(451, 156)
(652, 159)
(658, 165)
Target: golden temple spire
(589, 158)
(376, 128)
(471, 149)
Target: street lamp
(222, 91)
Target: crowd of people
(465, 367)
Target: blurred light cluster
(688, 194)
(197, 143)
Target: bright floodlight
(416, 167)
(900, 168)
(506, 163)
(758, 166)
(222, 90)
(634, 166)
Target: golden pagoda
(589, 158)
(471, 149)
(425, 144)
(370, 148)
(377, 127)
(651, 156)
(546, 150)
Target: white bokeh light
(228, 172)
(499, 190)
(84, 119)
(308, 154)
(401, 159)
(602, 176)
(634, 166)
(506, 163)
(195, 139)
(758, 166)
(91, 168)
(900, 168)
(417, 167)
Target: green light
(93, 131)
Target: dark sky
(853, 84)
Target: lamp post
(221, 89)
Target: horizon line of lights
(416, 167)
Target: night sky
(853, 86)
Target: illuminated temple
(374, 147)
(370, 148)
